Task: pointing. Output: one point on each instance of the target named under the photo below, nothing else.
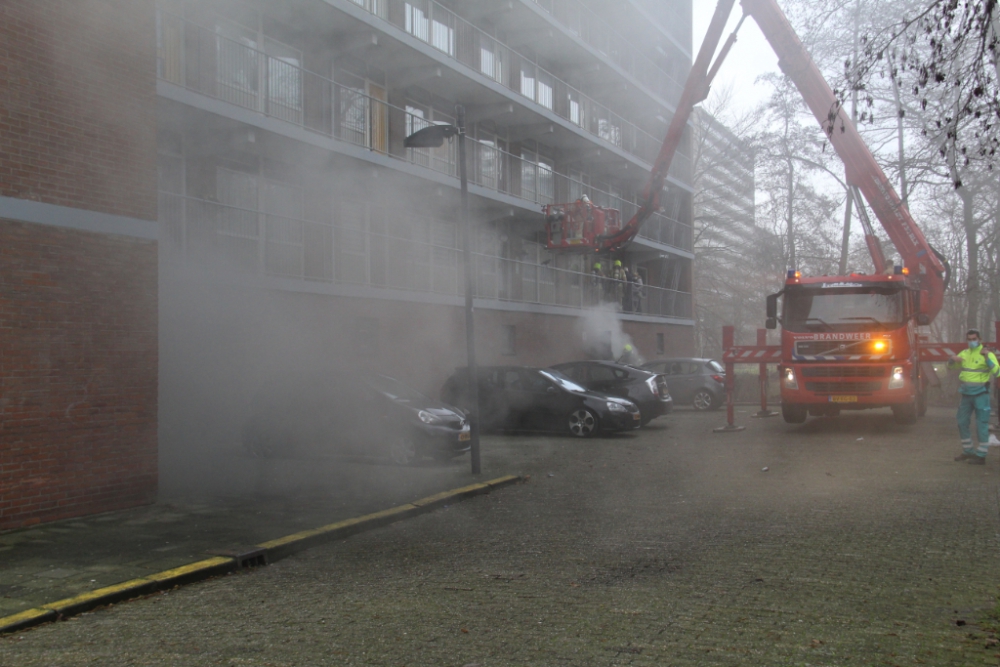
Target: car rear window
(606, 374)
(716, 367)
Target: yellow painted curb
(99, 596)
(506, 480)
(200, 569)
(439, 499)
(284, 546)
(203, 569)
(25, 619)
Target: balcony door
(362, 112)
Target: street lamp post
(432, 137)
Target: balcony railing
(594, 31)
(208, 63)
(420, 256)
(200, 58)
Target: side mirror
(923, 319)
(771, 323)
(772, 307)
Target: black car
(515, 398)
(646, 389)
(374, 416)
(700, 382)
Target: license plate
(843, 399)
(636, 417)
(462, 437)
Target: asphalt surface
(846, 541)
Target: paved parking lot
(847, 541)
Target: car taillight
(651, 383)
(719, 379)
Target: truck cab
(849, 343)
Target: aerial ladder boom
(597, 229)
(695, 90)
(862, 171)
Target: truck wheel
(906, 413)
(794, 414)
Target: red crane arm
(695, 90)
(860, 166)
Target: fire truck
(852, 342)
(847, 342)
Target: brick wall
(78, 385)
(77, 104)
(78, 310)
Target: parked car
(374, 416)
(700, 382)
(645, 388)
(515, 398)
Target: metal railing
(419, 256)
(595, 32)
(190, 54)
(208, 63)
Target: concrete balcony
(420, 261)
(439, 36)
(275, 91)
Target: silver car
(698, 382)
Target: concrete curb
(274, 549)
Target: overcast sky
(751, 55)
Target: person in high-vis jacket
(978, 368)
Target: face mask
(973, 344)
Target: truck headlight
(614, 406)
(790, 381)
(898, 380)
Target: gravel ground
(861, 543)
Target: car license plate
(462, 437)
(636, 417)
(843, 399)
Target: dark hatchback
(517, 398)
(698, 382)
(645, 388)
(377, 416)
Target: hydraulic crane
(847, 342)
(583, 226)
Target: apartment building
(282, 164)
(736, 260)
(204, 195)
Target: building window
(491, 58)
(508, 340)
(537, 177)
(660, 347)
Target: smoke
(603, 336)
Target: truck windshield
(844, 309)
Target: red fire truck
(848, 342)
(851, 342)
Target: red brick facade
(78, 104)
(78, 361)
(78, 310)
